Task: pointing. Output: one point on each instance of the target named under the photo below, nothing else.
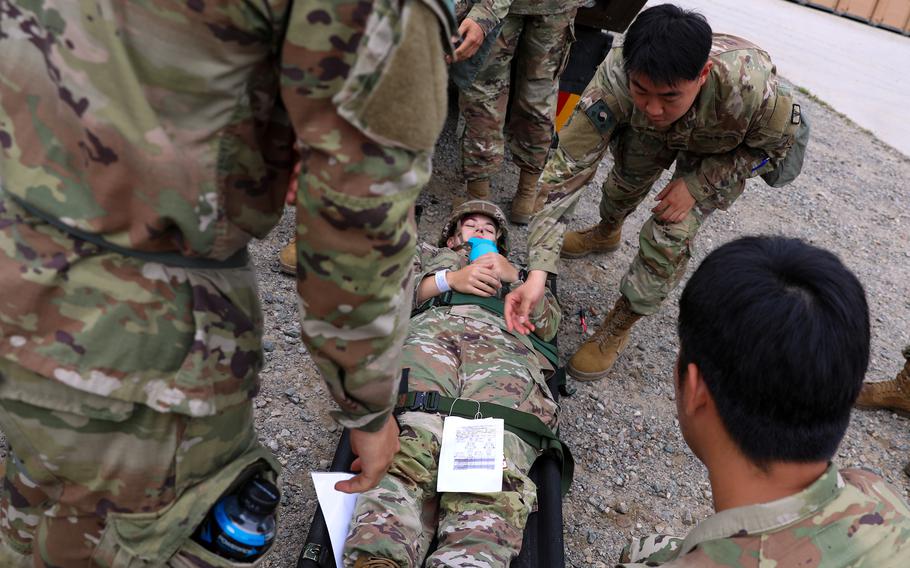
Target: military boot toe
(596, 356)
(891, 395)
(287, 258)
(597, 239)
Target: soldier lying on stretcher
(459, 351)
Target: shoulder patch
(601, 116)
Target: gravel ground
(634, 473)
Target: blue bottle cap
(480, 247)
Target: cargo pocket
(396, 92)
(163, 538)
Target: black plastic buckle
(312, 552)
(425, 401)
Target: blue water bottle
(241, 526)
(480, 247)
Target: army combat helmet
(485, 208)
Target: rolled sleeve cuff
(698, 187)
(366, 422)
(486, 19)
(543, 260)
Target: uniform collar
(767, 517)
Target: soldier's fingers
(358, 483)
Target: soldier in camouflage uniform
(774, 344)
(459, 351)
(532, 45)
(671, 92)
(142, 145)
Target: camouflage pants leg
(540, 58)
(81, 467)
(638, 160)
(483, 105)
(455, 356)
(664, 250)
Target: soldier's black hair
(667, 44)
(780, 331)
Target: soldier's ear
(703, 74)
(694, 391)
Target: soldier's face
(477, 225)
(665, 104)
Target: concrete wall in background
(891, 14)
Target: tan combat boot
(892, 395)
(523, 202)
(599, 238)
(596, 356)
(287, 258)
(475, 189)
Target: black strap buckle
(425, 401)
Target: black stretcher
(543, 544)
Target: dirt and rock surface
(634, 475)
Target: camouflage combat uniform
(534, 36)
(142, 145)
(847, 518)
(459, 351)
(741, 125)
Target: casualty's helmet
(483, 207)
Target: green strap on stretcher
(524, 425)
(492, 304)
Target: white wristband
(441, 283)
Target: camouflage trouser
(539, 47)
(664, 248)
(91, 481)
(458, 357)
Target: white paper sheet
(470, 459)
(337, 507)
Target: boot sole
(565, 254)
(901, 412)
(292, 270)
(586, 377)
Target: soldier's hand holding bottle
(478, 278)
(504, 269)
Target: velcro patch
(600, 115)
(795, 115)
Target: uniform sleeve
(718, 179)
(604, 105)
(362, 170)
(653, 550)
(488, 13)
(546, 317)
(429, 260)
